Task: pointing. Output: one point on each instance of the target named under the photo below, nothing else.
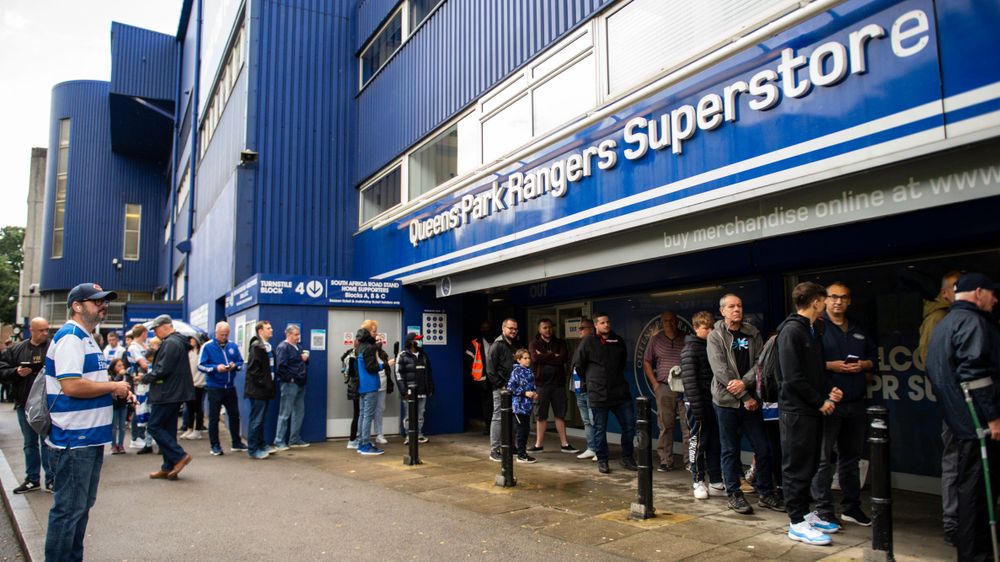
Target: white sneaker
(716, 489)
(381, 440)
(195, 434)
(184, 435)
(700, 491)
(137, 444)
(350, 444)
(588, 454)
(820, 524)
(806, 533)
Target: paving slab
(656, 546)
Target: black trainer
(772, 501)
(856, 516)
(27, 486)
(629, 463)
(739, 504)
(535, 449)
(602, 467)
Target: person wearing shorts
(548, 361)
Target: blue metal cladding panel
(371, 14)
(143, 63)
(461, 51)
(223, 151)
(299, 119)
(210, 264)
(99, 184)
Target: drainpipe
(173, 168)
(195, 157)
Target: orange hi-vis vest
(477, 361)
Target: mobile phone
(851, 359)
(26, 364)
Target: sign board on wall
(313, 290)
(317, 340)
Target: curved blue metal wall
(99, 184)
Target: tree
(11, 262)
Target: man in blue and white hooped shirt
(221, 361)
(80, 398)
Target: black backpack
(769, 371)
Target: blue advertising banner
(844, 89)
(312, 291)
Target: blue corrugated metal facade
(462, 50)
(99, 184)
(144, 63)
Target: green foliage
(11, 262)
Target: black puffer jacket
(366, 348)
(259, 380)
(696, 373)
(500, 362)
(965, 347)
(169, 376)
(415, 367)
(800, 353)
(601, 363)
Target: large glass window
(133, 222)
(381, 195)
(570, 93)
(62, 174)
(419, 10)
(508, 129)
(382, 46)
(182, 193)
(224, 85)
(434, 163)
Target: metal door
(342, 324)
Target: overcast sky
(42, 43)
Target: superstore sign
(796, 76)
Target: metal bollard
(413, 429)
(878, 442)
(506, 476)
(643, 508)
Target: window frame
(407, 28)
(223, 86)
(59, 198)
(403, 166)
(137, 231)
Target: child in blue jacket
(522, 386)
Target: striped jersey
(76, 422)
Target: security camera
(248, 156)
(32, 288)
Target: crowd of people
(716, 379)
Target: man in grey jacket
(733, 347)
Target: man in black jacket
(804, 399)
(499, 364)
(965, 350)
(19, 364)
(170, 386)
(413, 366)
(601, 364)
(259, 388)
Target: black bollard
(506, 476)
(878, 442)
(643, 508)
(412, 429)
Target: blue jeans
(291, 408)
(588, 419)
(625, 414)
(163, 428)
(118, 417)
(733, 424)
(255, 427)
(217, 398)
(77, 473)
(421, 406)
(36, 453)
(379, 410)
(368, 402)
(703, 447)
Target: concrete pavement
(327, 502)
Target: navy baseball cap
(89, 292)
(972, 281)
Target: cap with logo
(89, 292)
(412, 337)
(972, 281)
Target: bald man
(19, 364)
(221, 362)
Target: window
(380, 195)
(507, 129)
(225, 83)
(182, 193)
(384, 43)
(62, 174)
(570, 93)
(434, 163)
(133, 220)
(382, 47)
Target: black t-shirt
(741, 351)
